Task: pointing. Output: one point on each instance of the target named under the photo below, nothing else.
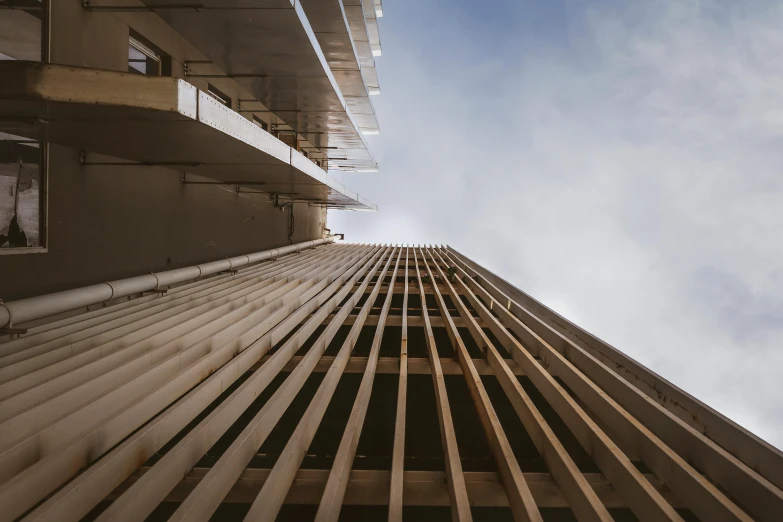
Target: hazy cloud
(619, 161)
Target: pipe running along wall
(16, 312)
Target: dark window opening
(337, 341)
(218, 95)
(326, 441)
(376, 444)
(414, 305)
(311, 340)
(21, 28)
(423, 449)
(143, 59)
(417, 342)
(522, 445)
(364, 341)
(391, 342)
(470, 343)
(432, 303)
(285, 339)
(273, 446)
(497, 344)
(289, 138)
(261, 123)
(22, 193)
(360, 303)
(474, 451)
(377, 305)
(227, 439)
(443, 342)
(581, 458)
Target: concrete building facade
(109, 200)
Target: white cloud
(629, 176)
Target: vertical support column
(46, 31)
(142, 497)
(460, 505)
(332, 498)
(398, 454)
(581, 497)
(646, 502)
(673, 449)
(74, 500)
(267, 504)
(523, 506)
(206, 497)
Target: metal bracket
(216, 182)
(12, 331)
(83, 161)
(191, 75)
(88, 4)
(240, 191)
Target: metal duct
(16, 312)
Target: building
(182, 338)
(350, 382)
(165, 133)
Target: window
(261, 123)
(22, 158)
(21, 30)
(142, 59)
(289, 138)
(218, 95)
(22, 194)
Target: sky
(618, 161)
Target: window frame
(148, 52)
(43, 208)
(219, 95)
(261, 123)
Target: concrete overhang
(373, 9)
(270, 49)
(331, 26)
(354, 12)
(158, 121)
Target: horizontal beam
(420, 366)
(399, 288)
(396, 320)
(420, 488)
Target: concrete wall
(111, 222)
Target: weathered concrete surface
(106, 223)
(112, 222)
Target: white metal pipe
(22, 310)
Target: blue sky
(620, 161)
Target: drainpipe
(17, 312)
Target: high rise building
(355, 382)
(182, 338)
